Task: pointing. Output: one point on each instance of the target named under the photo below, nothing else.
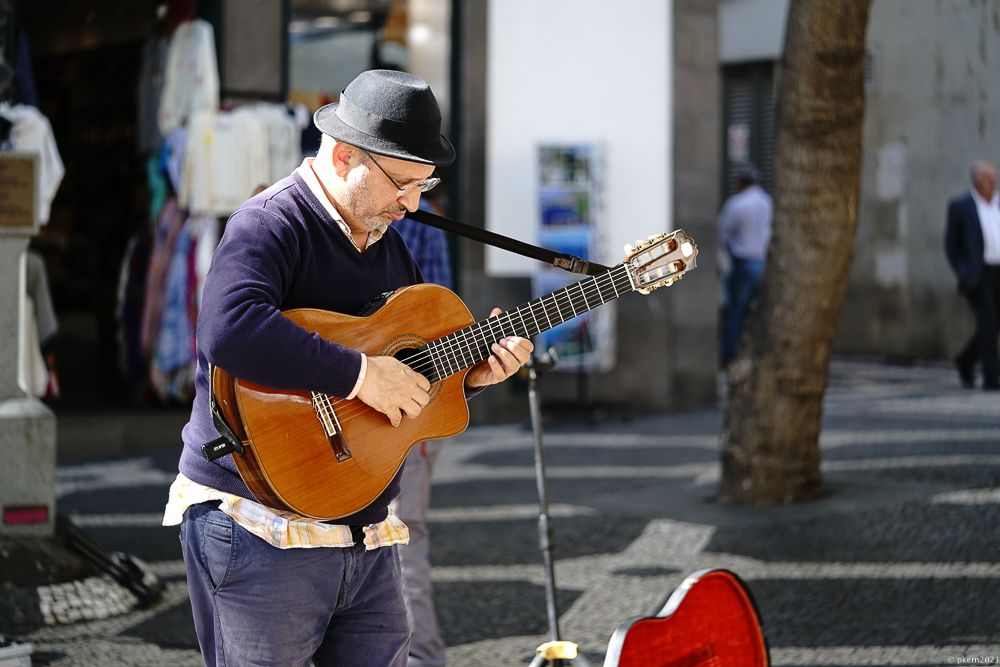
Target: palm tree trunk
(770, 439)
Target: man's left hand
(509, 354)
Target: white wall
(571, 71)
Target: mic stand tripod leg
(556, 653)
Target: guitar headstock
(660, 260)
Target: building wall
(933, 106)
(578, 71)
(572, 71)
(692, 306)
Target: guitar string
(619, 283)
(451, 350)
(463, 336)
(615, 282)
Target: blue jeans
(255, 604)
(742, 286)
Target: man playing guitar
(269, 586)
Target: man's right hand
(393, 388)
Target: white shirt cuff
(361, 377)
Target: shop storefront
(164, 116)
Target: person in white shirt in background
(744, 233)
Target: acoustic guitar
(325, 457)
(709, 621)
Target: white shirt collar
(305, 170)
(994, 201)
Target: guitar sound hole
(417, 359)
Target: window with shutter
(748, 122)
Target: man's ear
(344, 158)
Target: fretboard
(463, 348)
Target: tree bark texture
(770, 439)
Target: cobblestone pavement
(897, 565)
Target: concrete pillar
(693, 305)
(27, 427)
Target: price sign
(18, 185)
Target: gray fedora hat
(388, 113)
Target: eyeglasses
(403, 190)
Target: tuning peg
(652, 237)
(628, 248)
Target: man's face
(373, 200)
(985, 181)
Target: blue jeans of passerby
(255, 604)
(742, 285)
(427, 648)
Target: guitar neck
(466, 347)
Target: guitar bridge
(331, 426)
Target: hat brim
(438, 154)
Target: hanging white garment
(32, 133)
(284, 139)
(176, 146)
(191, 77)
(226, 158)
(37, 287)
(32, 373)
(206, 239)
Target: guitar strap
(559, 260)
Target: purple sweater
(281, 250)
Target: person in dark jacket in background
(972, 243)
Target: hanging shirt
(176, 338)
(172, 156)
(989, 220)
(191, 76)
(226, 158)
(168, 229)
(284, 133)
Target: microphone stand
(556, 652)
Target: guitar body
(709, 621)
(291, 462)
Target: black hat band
(402, 132)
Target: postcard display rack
(570, 208)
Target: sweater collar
(305, 170)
